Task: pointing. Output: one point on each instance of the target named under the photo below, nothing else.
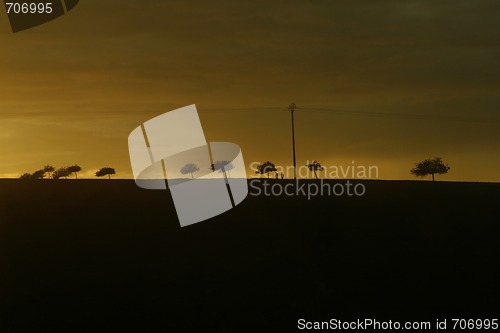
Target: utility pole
(292, 109)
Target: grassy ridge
(92, 255)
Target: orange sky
(72, 90)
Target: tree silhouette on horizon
(430, 167)
(223, 166)
(189, 168)
(74, 169)
(61, 173)
(49, 169)
(39, 174)
(105, 172)
(314, 167)
(266, 168)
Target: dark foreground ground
(92, 256)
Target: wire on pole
(292, 109)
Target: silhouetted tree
(105, 172)
(74, 169)
(314, 167)
(223, 166)
(61, 173)
(39, 174)
(266, 168)
(49, 169)
(190, 168)
(430, 167)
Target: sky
(381, 83)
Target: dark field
(99, 255)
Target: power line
(134, 113)
(292, 108)
(271, 109)
(379, 114)
(395, 115)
